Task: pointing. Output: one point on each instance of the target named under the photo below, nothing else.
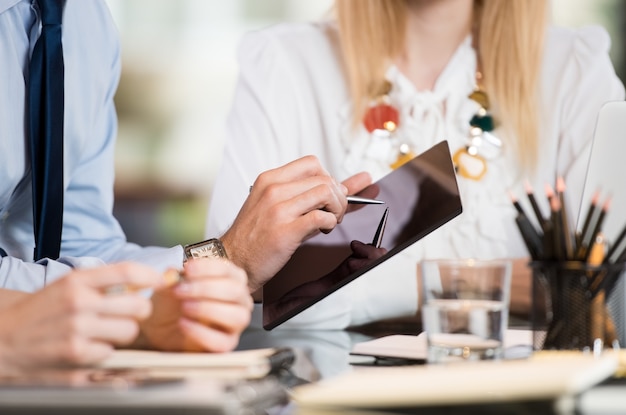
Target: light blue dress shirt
(91, 235)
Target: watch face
(210, 248)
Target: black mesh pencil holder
(569, 305)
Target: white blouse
(292, 100)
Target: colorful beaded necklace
(470, 161)
(383, 119)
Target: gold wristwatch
(211, 248)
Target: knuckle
(272, 191)
(74, 349)
(311, 160)
(128, 330)
(242, 320)
(140, 307)
(320, 217)
(74, 324)
(126, 271)
(263, 179)
(72, 295)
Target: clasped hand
(77, 321)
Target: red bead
(381, 117)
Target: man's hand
(207, 311)
(73, 321)
(286, 206)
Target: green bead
(484, 122)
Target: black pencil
(590, 212)
(516, 203)
(548, 241)
(532, 238)
(555, 208)
(549, 193)
(533, 203)
(566, 235)
(615, 246)
(596, 229)
(622, 256)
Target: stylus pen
(356, 200)
(378, 236)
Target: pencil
(596, 228)
(615, 245)
(622, 256)
(171, 276)
(516, 204)
(567, 239)
(549, 193)
(597, 251)
(590, 212)
(555, 208)
(548, 241)
(533, 203)
(530, 236)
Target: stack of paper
(245, 364)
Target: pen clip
(378, 236)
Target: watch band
(211, 248)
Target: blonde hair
(510, 37)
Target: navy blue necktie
(45, 123)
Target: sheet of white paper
(415, 347)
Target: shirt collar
(7, 4)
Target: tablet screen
(419, 197)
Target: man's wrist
(237, 257)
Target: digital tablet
(419, 197)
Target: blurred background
(178, 77)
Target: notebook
(486, 382)
(240, 364)
(420, 196)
